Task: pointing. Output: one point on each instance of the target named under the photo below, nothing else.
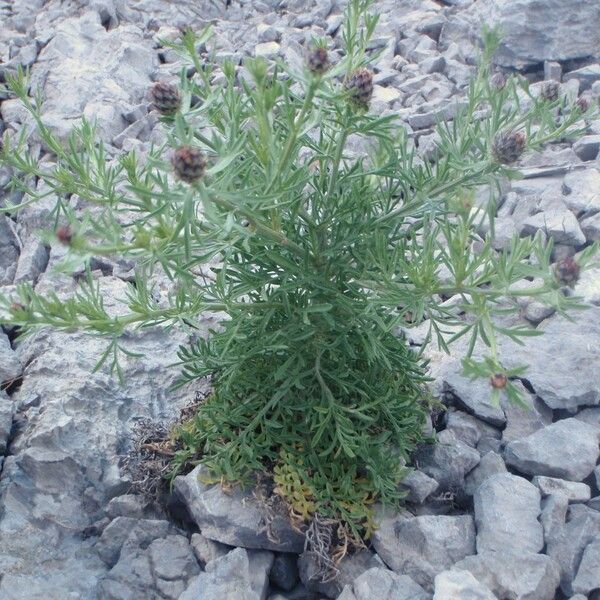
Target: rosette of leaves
(318, 258)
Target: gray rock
(588, 574)
(9, 251)
(10, 365)
(127, 505)
(587, 147)
(161, 569)
(522, 421)
(554, 515)
(237, 518)
(568, 545)
(591, 416)
(460, 585)
(129, 533)
(522, 576)
(561, 375)
(560, 225)
(490, 464)
(384, 585)
(567, 449)
(351, 567)
(419, 486)
(207, 550)
(475, 397)
(284, 572)
(567, 31)
(32, 261)
(506, 515)
(7, 410)
(240, 575)
(588, 286)
(423, 546)
(582, 191)
(468, 428)
(591, 227)
(447, 461)
(574, 491)
(586, 76)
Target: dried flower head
(583, 104)
(499, 80)
(498, 381)
(165, 97)
(567, 270)
(189, 163)
(549, 90)
(64, 235)
(360, 86)
(508, 146)
(318, 60)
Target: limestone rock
(460, 585)
(236, 518)
(567, 449)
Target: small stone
(10, 365)
(567, 449)
(591, 227)
(574, 491)
(127, 505)
(586, 76)
(582, 191)
(383, 584)
(506, 515)
(522, 421)
(475, 397)
(567, 547)
(561, 225)
(587, 147)
(552, 70)
(207, 550)
(460, 585)
(421, 547)
(172, 558)
(490, 464)
(240, 575)
(235, 518)
(447, 461)
(587, 579)
(554, 515)
(268, 50)
(284, 572)
(523, 575)
(419, 486)
(351, 567)
(468, 428)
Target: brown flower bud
(499, 80)
(549, 90)
(498, 381)
(16, 307)
(318, 60)
(64, 234)
(567, 270)
(508, 146)
(189, 163)
(360, 86)
(583, 104)
(165, 97)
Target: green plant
(320, 259)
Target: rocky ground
(505, 506)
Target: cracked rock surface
(506, 505)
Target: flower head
(498, 381)
(318, 60)
(360, 86)
(508, 146)
(567, 270)
(165, 97)
(189, 163)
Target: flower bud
(549, 90)
(360, 86)
(499, 80)
(508, 146)
(17, 306)
(567, 270)
(498, 381)
(583, 104)
(64, 235)
(165, 97)
(318, 61)
(189, 163)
